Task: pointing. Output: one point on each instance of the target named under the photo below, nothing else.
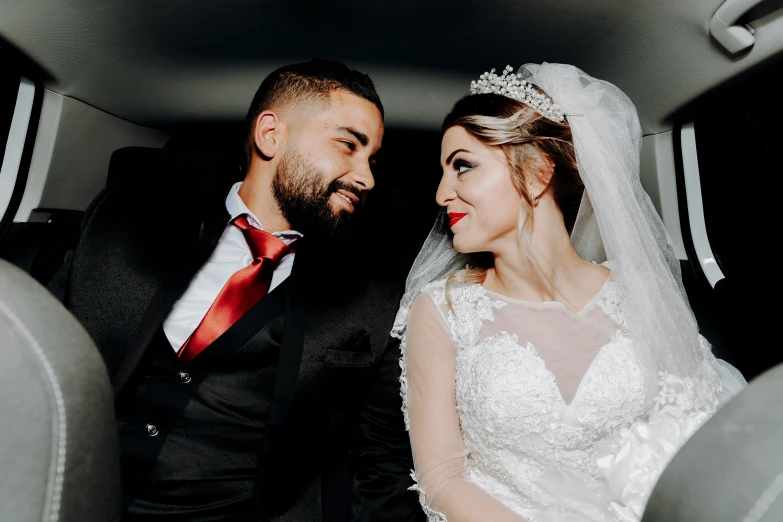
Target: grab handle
(734, 38)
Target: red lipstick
(454, 217)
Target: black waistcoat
(191, 435)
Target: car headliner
(161, 63)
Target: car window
(9, 87)
(739, 146)
(739, 143)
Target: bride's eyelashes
(461, 166)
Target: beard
(302, 192)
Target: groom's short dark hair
(303, 82)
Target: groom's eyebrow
(451, 156)
(363, 139)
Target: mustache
(339, 184)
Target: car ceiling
(161, 63)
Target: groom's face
(325, 172)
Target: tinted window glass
(9, 85)
(740, 152)
(740, 149)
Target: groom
(246, 335)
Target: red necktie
(243, 289)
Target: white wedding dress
(530, 411)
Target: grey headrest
(732, 468)
(204, 169)
(58, 443)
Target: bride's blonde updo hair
(529, 141)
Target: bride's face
(477, 192)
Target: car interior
(96, 93)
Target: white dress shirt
(230, 255)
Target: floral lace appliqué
(683, 397)
(470, 307)
(642, 451)
(517, 428)
(612, 302)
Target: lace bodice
(544, 400)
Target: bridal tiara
(513, 86)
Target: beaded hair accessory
(513, 86)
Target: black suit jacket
(336, 395)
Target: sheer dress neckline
(556, 304)
(567, 405)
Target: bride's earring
(535, 200)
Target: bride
(551, 363)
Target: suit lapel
(313, 305)
(301, 357)
(293, 346)
(175, 280)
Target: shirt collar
(236, 207)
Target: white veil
(616, 221)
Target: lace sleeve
(438, 451)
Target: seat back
(207, 170)
(58, 443)
(732, 467)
